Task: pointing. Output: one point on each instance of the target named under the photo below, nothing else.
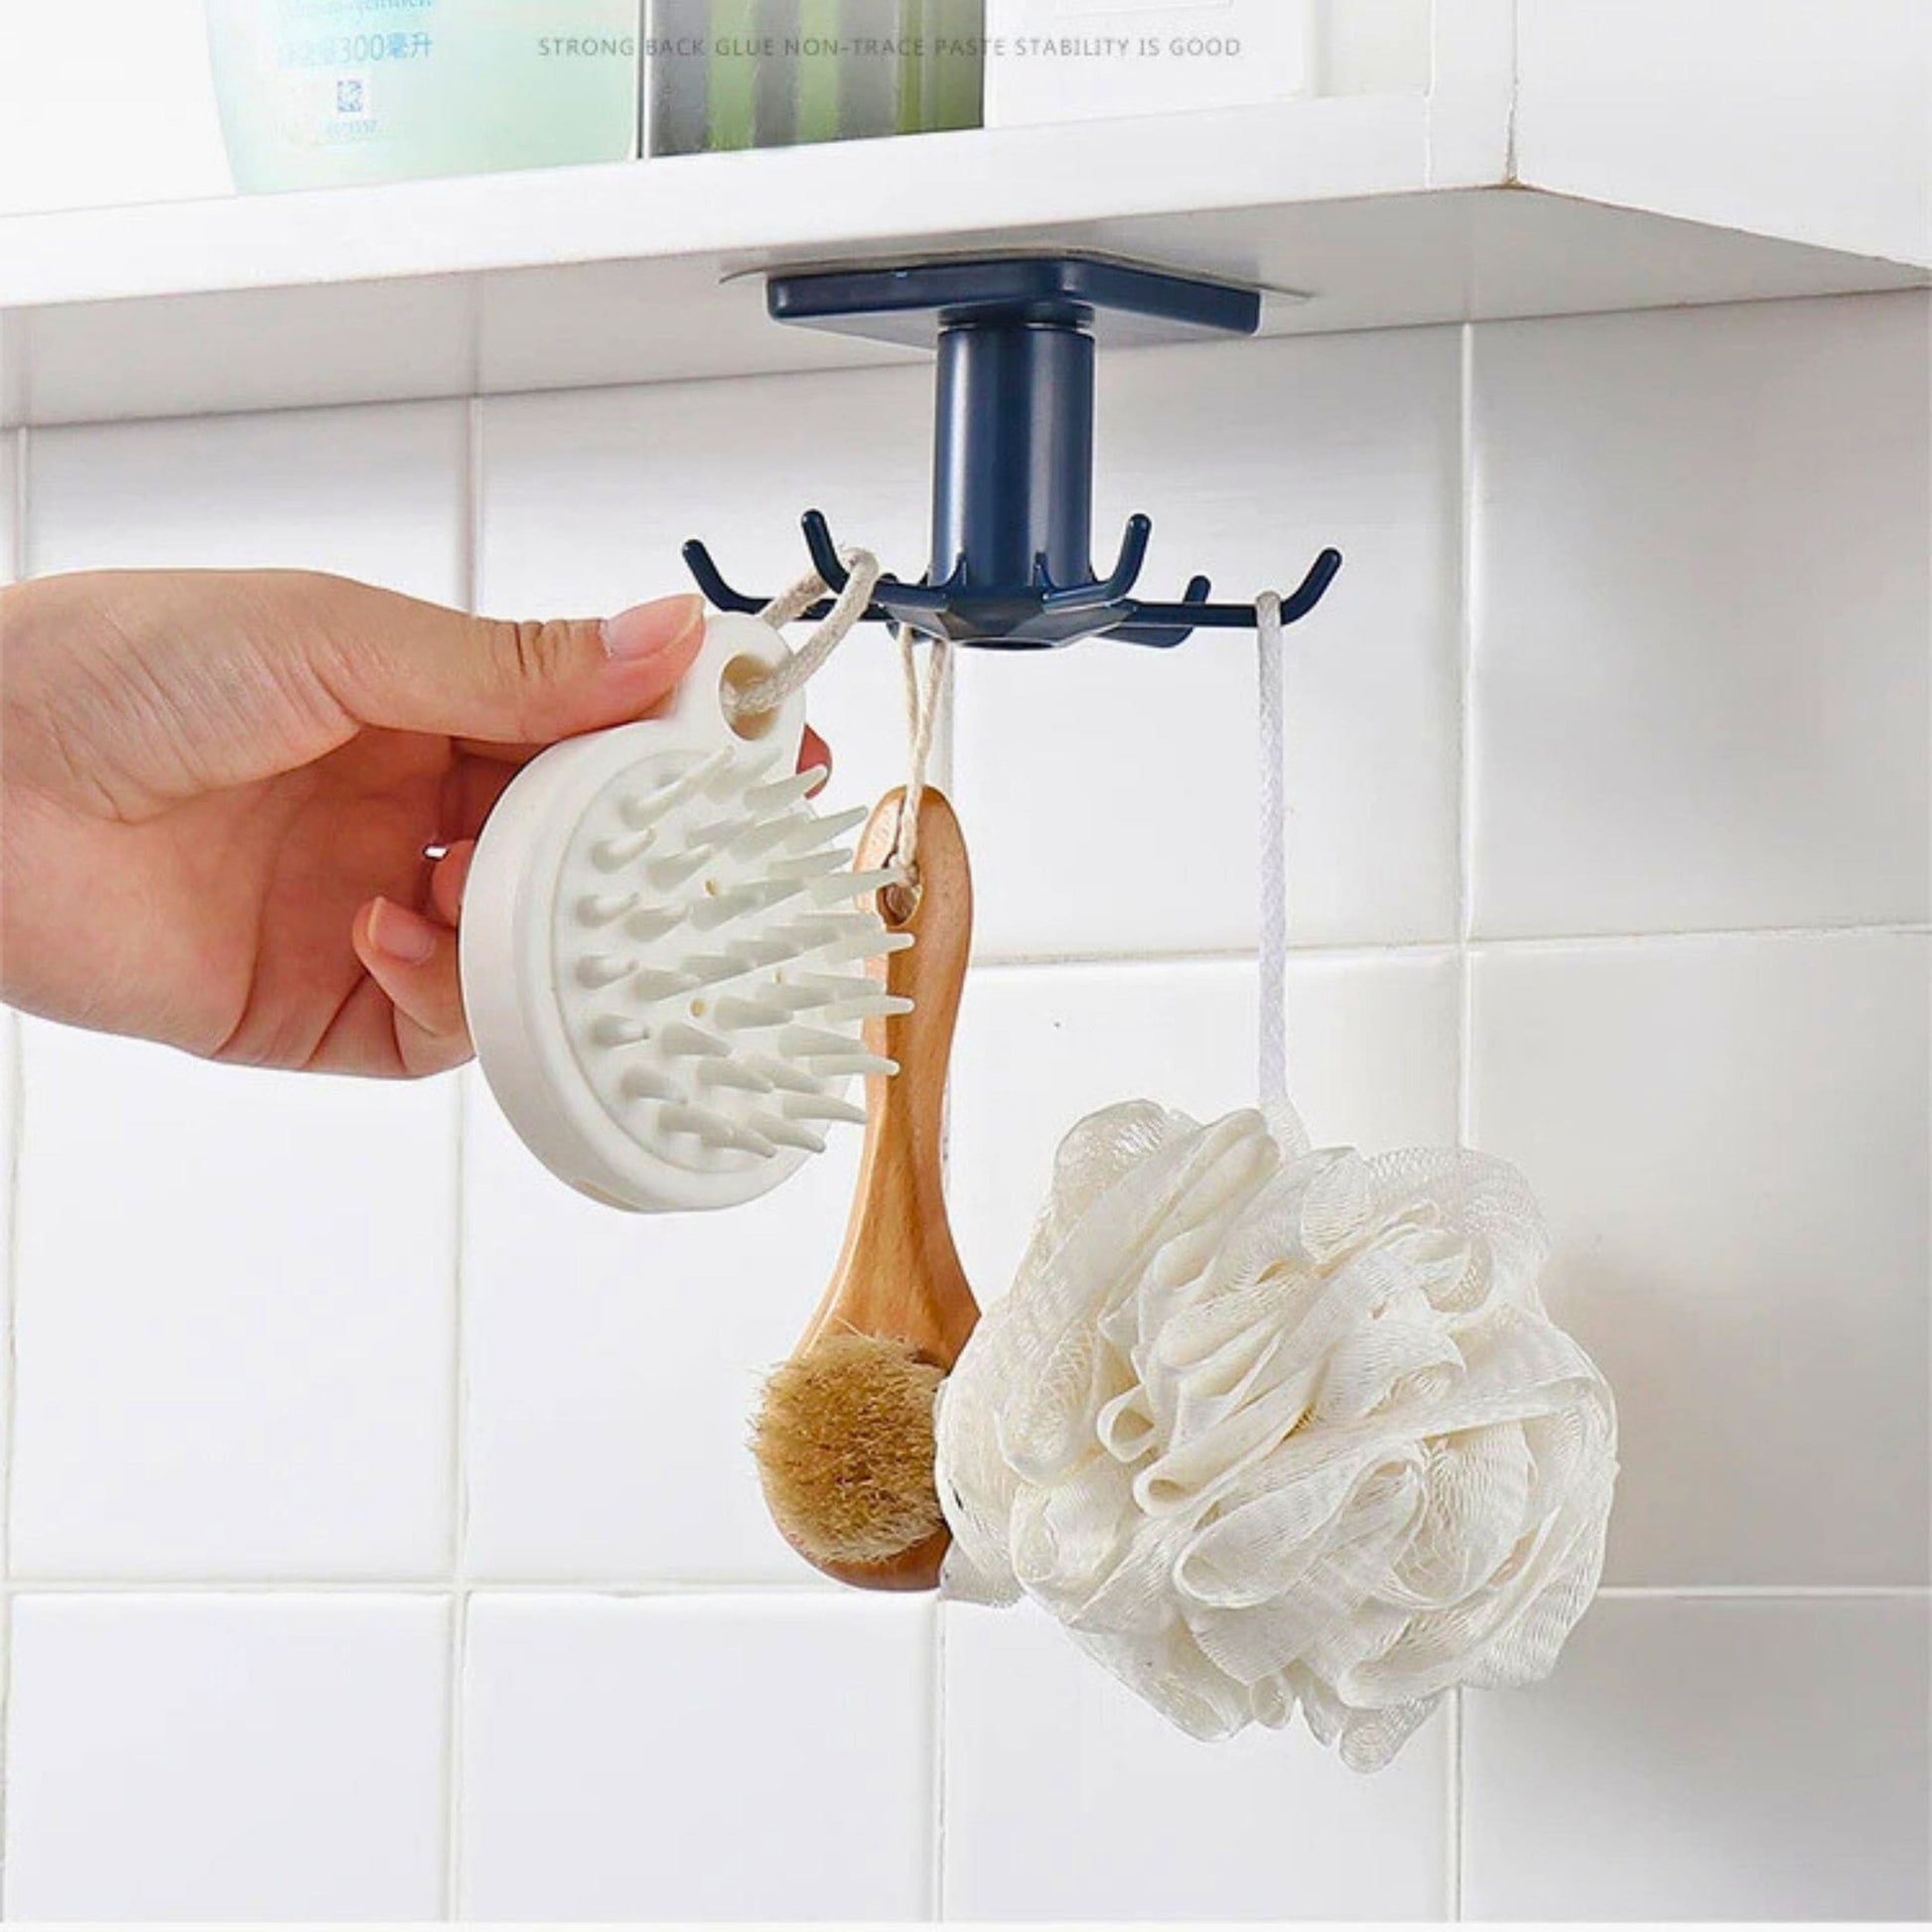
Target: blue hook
(1013, 468)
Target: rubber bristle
(714, 1129)
(760, 839)
(654, 923)
(785, 1076)
(653, 986)
(671, 872)
(872, 1065)
(809, 1042)
(687, 1043)
(612, 1030)
(786, 1133)
(811, 865)
(823, 1107)
(854, 885)
(866, 945)
(731, 1076)
(738, 775)
(605, 908)
(599, 970)
(720, 832)
(747, 1015)
(715, 969)
(613, 855)
(810, 830)
(869, 1006)
(767, 799)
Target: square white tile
(671, 321)
(1110, 791)
(588, 498)
(232, 1318)
(733, 1757)
(375, 493)
(613, 1362)
(1372, 1049)
(1068, 1798)
(1703, 599)
(1730, 1139)
(1709, 1760)
(182, 354)
(227, 1757)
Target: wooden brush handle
(898, 1274)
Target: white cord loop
(768, 692)
(1271, 661)
(922, 705)
(923, 709)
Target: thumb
(413, 666)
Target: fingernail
(647, 629)
(407, 937)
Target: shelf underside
(1374, 260)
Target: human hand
(237, 808)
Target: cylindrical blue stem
(1013, 457)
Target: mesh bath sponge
(1269, 1427)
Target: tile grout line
(945, 748)
(621, 1589)
(467, 386)
(937, 1771)
(631, 1590)
(459, 1604)
(17, 501)
(458, 1596)
(1457, 1795)
(14, 1100)
(1557, 943)
(1414, 950)
(1766, 1593)
(10, 1182)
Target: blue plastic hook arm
(1011, 564)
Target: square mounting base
(1122, 307)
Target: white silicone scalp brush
(663, 950)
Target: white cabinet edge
(1471, 93)
(828, 202)
(1771, 117)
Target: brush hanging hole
(898, 906)
(735, 685)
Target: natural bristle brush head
(846, 1450)
(663, 948)
(845, 1438)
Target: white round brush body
(662, 949)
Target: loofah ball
(845, 1448)
(1271, 1428)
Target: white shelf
(1548, 172)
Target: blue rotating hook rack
(1016, 337)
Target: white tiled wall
(381, 1540)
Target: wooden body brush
(844, 1437)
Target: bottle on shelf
(761, 73)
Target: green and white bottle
(320, 93)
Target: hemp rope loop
(923, 705)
